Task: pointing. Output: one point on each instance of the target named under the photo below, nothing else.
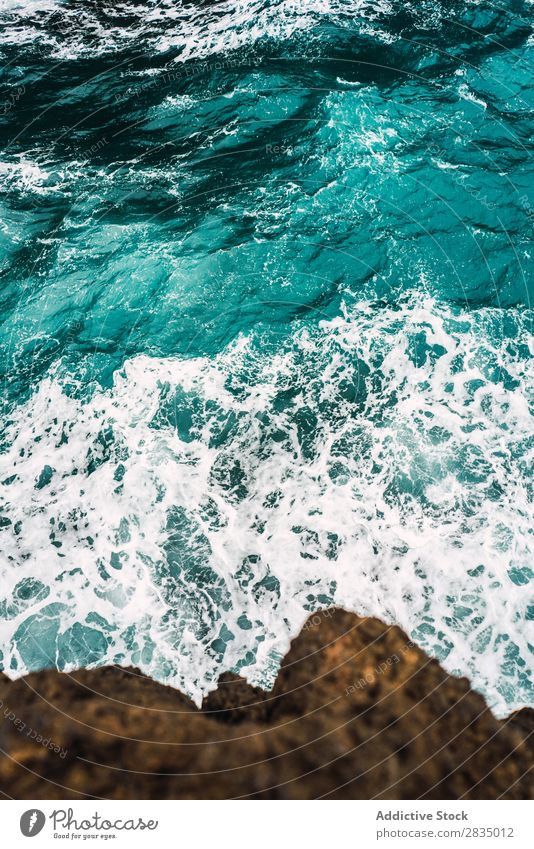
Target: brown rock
(357, 711)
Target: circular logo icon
(32, 822)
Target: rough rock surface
(357, 711)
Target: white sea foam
(200, 508)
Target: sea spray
(266, 334)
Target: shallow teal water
(266, 332)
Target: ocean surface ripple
(266, 331)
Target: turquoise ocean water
(266, 328)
